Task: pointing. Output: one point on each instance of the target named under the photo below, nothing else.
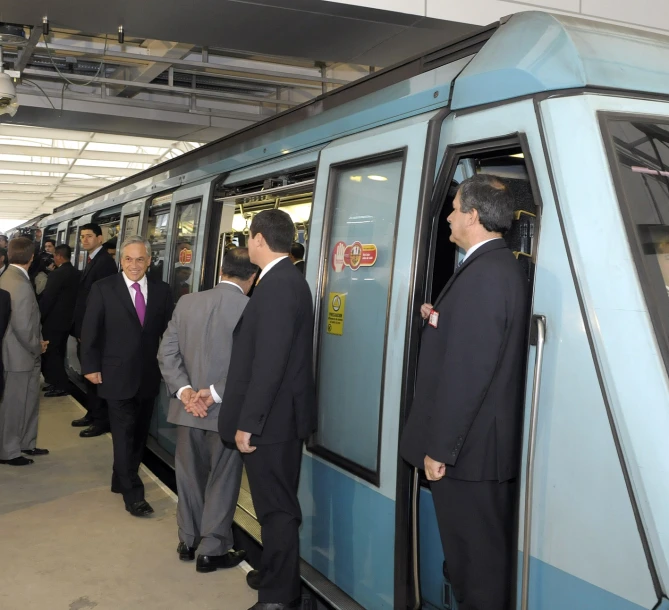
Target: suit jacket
(102, 266)
(5, 312)
(299, 265)
(114, 343)
(270, 388)
(21, 348)
(57, 302)
(468, 401)
(197, 345)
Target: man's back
(59, 297)
(199, 336)
(270, 389)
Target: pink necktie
(140, 303)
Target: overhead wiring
(64, 77)
(44, 93)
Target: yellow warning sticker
(336, 307)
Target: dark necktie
(88, 260)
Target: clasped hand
(197, 403)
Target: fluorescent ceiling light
(378, 178)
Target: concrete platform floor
(67, 542)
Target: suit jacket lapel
(124, 296)
(492, 245)
(151, 304)
(88, 267)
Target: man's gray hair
(136, 239)
(490, 197)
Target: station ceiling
(186, 73)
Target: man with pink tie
(126, 315)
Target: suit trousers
(19, 410)
(476, 525)
(97, 407)
(208, 477)
(53, 360)
(274, 472)
(129, 421)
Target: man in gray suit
(22, 347)
(194, 353)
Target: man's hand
(95, 378)
(434, 470)
(205, 397)
(45, 344)
(187, 395)
(425, 310)
(243, 440)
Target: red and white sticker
(354, 256)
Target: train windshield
(639, 148)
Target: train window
(131, 226)
(362, 215)
(157, 236)
(184, 249)
(639, 156)
(72, 234)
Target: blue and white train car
(575, 114)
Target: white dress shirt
(22, 270)
(213, 392)
(477, 246)
(142, 286)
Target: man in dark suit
(5, 312)
(99, 265)
(269, 403)
(125, 318)
(56, 307)
(464, 428)
(297, 256)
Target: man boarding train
(464, 426)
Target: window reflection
(184, 249)
(157, 236)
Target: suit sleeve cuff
(180, 390)
(214, 394)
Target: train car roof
(528, 53)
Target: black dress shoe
(48, 387)
(93, 430)
(186, 553)
(82, 422)
(56, 393)
(17, 461)
(140, 509)
(35, 451)
(211, 563)
(253, 579)
(275, 605)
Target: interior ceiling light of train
(123, 84)
(41, 169)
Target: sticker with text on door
(354, 256)
(336, 308)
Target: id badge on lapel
(433, 319)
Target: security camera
(8, 100)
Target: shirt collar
(477, 246)
(269, 266)
(129, 282)
(232, 284)
(21, 269)
(92, 254)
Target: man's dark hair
(3, 253)
(237, 264)
(64, 250)
(110, 244)
(21, 250)
(297, 250)
(491, 198)
(50, 241)
(4, 237)
(91, 226)
(276, 227)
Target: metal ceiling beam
(45, 188)
(29, 48)
(83, 183)
(146, 73)
(55, 168)
(163, 88)
(75, 153)
(35, 197)
(192, 64)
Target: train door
(368, 189)
(61, 233)
(133, 221)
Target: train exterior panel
(575, 115)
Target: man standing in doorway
(297, 256)
(269, 403)
(99, 265)
(125, 318)
(464, 427)
(56, 306)
(195, 351)
(22, 346)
